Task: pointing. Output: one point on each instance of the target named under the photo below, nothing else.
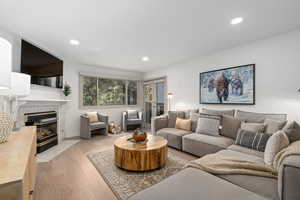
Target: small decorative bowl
(6, 126)
(139, 137)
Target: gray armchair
(132, 118)
(86, 127)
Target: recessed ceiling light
(237, 20)
(74, 42)
(145, 58)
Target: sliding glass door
(154, 99)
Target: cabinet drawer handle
(31, 192)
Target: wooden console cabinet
(18, 165)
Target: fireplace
(46, 123)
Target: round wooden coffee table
(141, 157)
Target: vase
(6, 126)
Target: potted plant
(67, 89)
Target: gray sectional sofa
(195, 184)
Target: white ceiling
(117, 33)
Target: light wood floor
(71, 176)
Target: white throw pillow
(275, 144)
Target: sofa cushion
(218, 112)
(292, 130)
(253, 127)
(188, 113)
(134, 121)
(200, 144)
(184, 124)
(258, 117)
(174, 136)
(209, 124)
(252, 140)
(132, 114)
(230, 126)
(241, 156)
(272, 126)
(245, 150)
(97, 125)
(194, 184)
(276, 143)
(194, 119)
(172, 116)
(250, 116)
(264, 186)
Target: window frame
(81, 106)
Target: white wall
(277, 62)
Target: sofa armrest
(158, 123)
(103, 118)
(289, 178)
(84, 127)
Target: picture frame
(228, 86)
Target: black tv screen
(44, 68)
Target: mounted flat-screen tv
(234, 85)
(44, 68)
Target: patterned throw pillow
(184, 124)
(252, 140)
(209, 124)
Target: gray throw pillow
(272, 126)
(132, 114)
(209, 124)
(218, 112)
(252, 140)
(194, 118)
(253, 127)
(173, 116)
(230, 126)
(292, 130)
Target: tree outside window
(97, 91)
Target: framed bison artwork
(235, 85)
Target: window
(97, 91)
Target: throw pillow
(275, 144)
(252, 140)
(230, 126)
(292, 130)
(272, 126)
(253, 127)
(173, 116)
(93, 116)
(209, 124)
(194, 119)
(218, 112)
(184, 124)
(132, 114)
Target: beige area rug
(124, 183)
